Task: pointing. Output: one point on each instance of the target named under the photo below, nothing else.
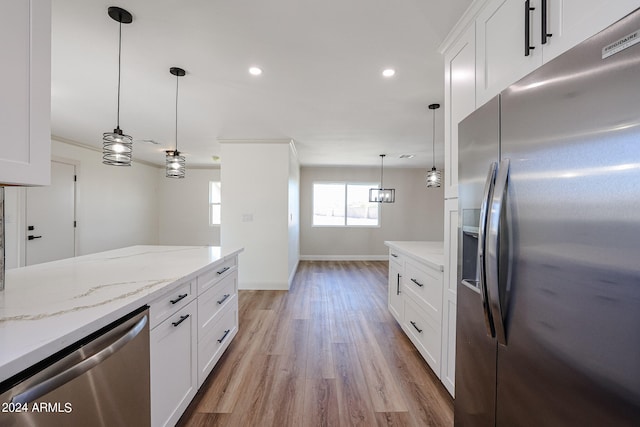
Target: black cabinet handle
(182, 319)
(415, 326)
(224, 336)
(223, 270)
(394, 255)
(34, 237)
(544, 22)
(224, 298)
(180, 298)
(527, 24)
(416, 282)
(398, 285)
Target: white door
(51, 216)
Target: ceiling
(322, 83)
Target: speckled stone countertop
(430, 253)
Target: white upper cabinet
(500, 45)
(572, 21)
(25, 84)
(459, 101)
(514, 37)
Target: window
(341, 204)
(214, 202)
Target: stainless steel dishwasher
(103, 380)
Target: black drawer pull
(394, 255)
(177, 300)
(223, 270)
(224, 336)
(415, 326)
(34, 237)
(182, 319)
(416, 282)
(224, 298)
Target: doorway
(51, 218)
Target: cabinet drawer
(396, 258)
(424, 332)
(170, 302)
(215, 299)
(424, 285)
(210, 278)
(215, 338)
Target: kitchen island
(47, 307)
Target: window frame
(345, 184)
(211, 204)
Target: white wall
(417, 214)
(294, 212)
(183, 208)
(115, 206)
(255, 210)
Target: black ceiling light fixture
(382, 195)
(175, 163)
(116, 146)
(434, 177)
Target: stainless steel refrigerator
(548, 316)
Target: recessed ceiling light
(389, 72)
(255, 71)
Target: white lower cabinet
(191, 326)
(174, 379)
(396, 303)
(415, 297)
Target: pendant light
(434, 177)
(175, 163)
(116, 145)
(382, 195)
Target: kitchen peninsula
(47, 307)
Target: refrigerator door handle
(482, 232)
(493, 250)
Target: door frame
(22, 207)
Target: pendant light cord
(381, 171)
(119, 62)
(177, 78)
(433, 140)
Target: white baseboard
(344, 257)
(259, 286)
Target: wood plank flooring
(326, 353)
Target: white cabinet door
(571, 21)
(449, 298)
(396, 305)
(174, 375)
(459, 101)
(500, 44)
(25, 85)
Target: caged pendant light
(382, 195)
(434, 177)
(175, 163)
(116, 145)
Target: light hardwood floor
(326, 353)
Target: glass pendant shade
(434, 178)
(382, 195)
(175, 164)
(116, 148)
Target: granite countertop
(431, 253)
(46, 307)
